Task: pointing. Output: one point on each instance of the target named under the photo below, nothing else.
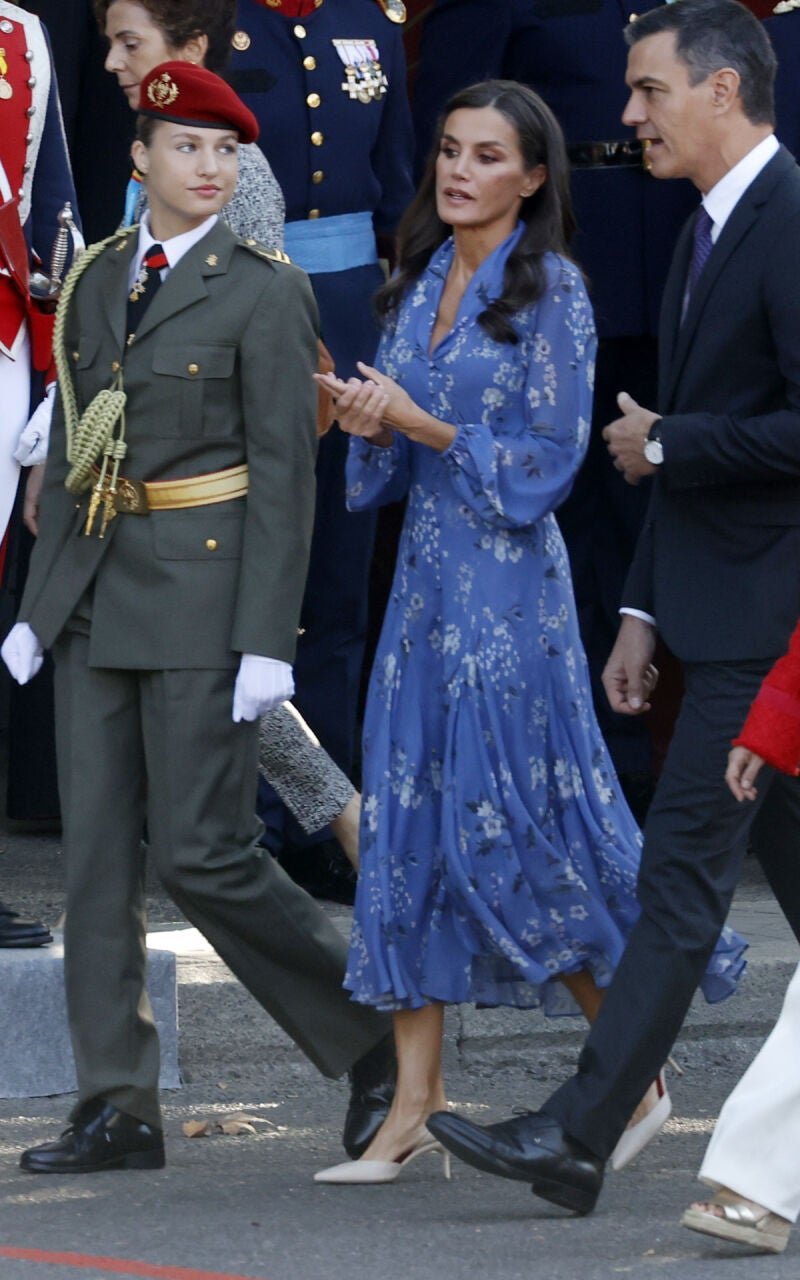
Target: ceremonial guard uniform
(784, 32)
(572, 52)
(183, 561)
(326, 80)
(35, 183)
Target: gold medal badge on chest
(364, 79)
(6, 91)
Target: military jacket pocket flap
(208, 533)
(194, 360)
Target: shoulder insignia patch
(263, 251)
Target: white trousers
(15, 396)
(755, 1148)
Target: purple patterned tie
(702, 246)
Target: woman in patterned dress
(498, 856)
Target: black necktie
(146, 285)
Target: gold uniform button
(76, 355)
(193, 369)
(313, 213)
(241, 41)
(300, 31)
(211, 544)
(313, 99)
(317, 176)
(115, 366)
(317, 139)
(310, 63)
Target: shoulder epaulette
(395, 10)
(264, 251)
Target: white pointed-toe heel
(360, 1172)
(636, 1138)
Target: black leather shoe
(100, 1137)
(372, 1082)
(530, 1148)
(21, 933)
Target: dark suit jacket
(219, 374)
(718, 562)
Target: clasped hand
(626, 438)
(371, 407)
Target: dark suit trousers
(161, 747)
(695, 837)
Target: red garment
(292, 8)
(772, 728)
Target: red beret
(188, 94)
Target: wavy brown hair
(547, 214)
(180, 20)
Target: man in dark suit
(573, 54)
(715, 568)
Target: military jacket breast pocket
(90, 373)
(198, 394)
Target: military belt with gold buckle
(140, 497)
(625, 154)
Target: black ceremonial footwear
(100, 1137)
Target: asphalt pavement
(245, 1207)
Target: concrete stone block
(35, 1050)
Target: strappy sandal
(741, 1221)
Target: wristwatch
(653, 448)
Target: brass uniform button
(211, 544)
(241, 41)
(76, 355)
(193, 369)
(313, 213)
(313, 100)
(317, 138)
(300, 31)
(317, 176)
(310, 63)
(115, 366)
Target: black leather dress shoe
(372, 1082)
(21, 933)
(100, 1137)
(529, 1148)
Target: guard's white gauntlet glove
(261, 685)
(22, 653)
(32, 445)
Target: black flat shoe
(372, 1082)
(21, 933)
(529, 1148)
(100, 1137)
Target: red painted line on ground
(120, 1266)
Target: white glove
(32, 444)
(22, 652)
(261, 685)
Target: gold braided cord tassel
(86, 435)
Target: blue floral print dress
(497, 850)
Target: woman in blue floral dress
(498, 856)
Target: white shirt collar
(720, 202)
(174, 248)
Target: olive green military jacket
(219, 374)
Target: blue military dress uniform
(572, 52)
(326, 81)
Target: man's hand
(742, 771)
(626, 437)
(22, 653)
(630, 677)
(262, 684)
